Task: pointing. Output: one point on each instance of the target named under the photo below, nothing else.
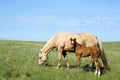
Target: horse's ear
(75, 39)
(40, 50)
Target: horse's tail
(103, 56)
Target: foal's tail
(103, 56)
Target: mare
(82, 51)
(61, 41)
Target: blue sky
(39, 20)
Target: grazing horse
(61, 41)
(82, 51)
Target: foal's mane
(77, 44)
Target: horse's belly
(68, 49)
(85, 55)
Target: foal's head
(73, 42)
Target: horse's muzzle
(72, 47)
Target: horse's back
(63, 39)
(87, 39)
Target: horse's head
(42, 58)
(72, 41)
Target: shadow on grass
(92, 69)
(84, 68)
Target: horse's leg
(97, 67)
(60, 51)
(78, 59)
(93, 65)
(91, 61)
(66, 59)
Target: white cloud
(92, 22)
(32, 25)
(48, 21)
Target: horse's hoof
(99, 73)
(57, 67)
(96, 72)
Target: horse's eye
(40, 57)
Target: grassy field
(18, 61)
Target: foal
(82, 51)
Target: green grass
(19, 61)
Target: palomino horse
(82, 51)
(61, 41)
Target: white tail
(103, 56)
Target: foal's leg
(66, 59)
(60, 50)
(91, 61)
(97, 67)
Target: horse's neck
(48, 47)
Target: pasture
(19, 61)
